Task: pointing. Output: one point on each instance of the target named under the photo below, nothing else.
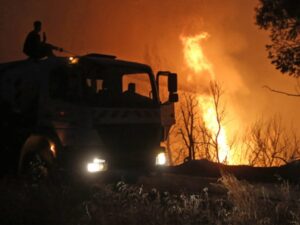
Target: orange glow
(53, 150)
(73, 60)
(198, 63)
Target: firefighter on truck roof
(36, 48)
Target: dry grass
(255, 204)
(120, 203)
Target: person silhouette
(36, 48)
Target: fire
(198, 63)
(210, 117)
(194, 56)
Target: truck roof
(92, 59)
(112, 61)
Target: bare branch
(281, 92)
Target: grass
(121, 203)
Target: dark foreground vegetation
(238, 202)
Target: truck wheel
(35, 168)
(36, 159)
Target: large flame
(198, 63)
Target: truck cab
(97, 113)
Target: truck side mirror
(172, 82)
(172, 87)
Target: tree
(188, 131)
(268, 143)
(210, 137)
(296, 94)
(192, 137)
(282, 19)
(182, 143)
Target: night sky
(149, 31)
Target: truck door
(68, 114)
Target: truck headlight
(161, 159)
(97, 165)
(73, 60)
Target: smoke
(149, 31)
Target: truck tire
(35, 168)
(36, 159)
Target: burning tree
(199, 132)
(200, 122)
(188, 131)
(214, 140)
(182, 143)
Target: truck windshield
(104, 86)
(119, 90)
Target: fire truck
(86, 114)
